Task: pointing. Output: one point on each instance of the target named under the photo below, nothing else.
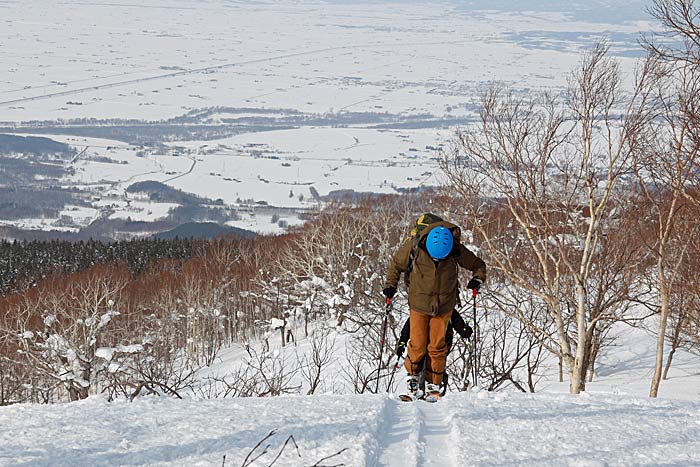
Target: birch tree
(552, 172)
(667, 166)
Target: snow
(326, 159)
(376, 430)
(169, 432)
(105, 353)
(157, 60)
(539, 430)
(164, 60)
(106, 318)
(613, 423)
(276, 323)
(133, 348)
(38, 224)
(140, 210)
(263, 224)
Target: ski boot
(432, 392)
(413, 390)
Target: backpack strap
(412, 256)
(423, 221)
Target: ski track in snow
(436, 427)
(400, 435)
(612, 424)
(415, 434)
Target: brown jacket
(432, 288)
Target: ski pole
(382, 339)
(393, 372)
(475, 371)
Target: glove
(468, 331)
(389, 292)
(474, 284)
(400, 348)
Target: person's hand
(389, 292)
(468, 331)
(400, 348)
(474, 284)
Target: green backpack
(423, 221)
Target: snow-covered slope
(613, 423)
(463, 429)
(625, 367)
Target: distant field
(163, 59)
(272, 103)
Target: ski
(410, 398)
(428, 398)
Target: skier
(429, 261)
(456, 324)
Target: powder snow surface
(486, 429)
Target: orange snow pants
(428, 338)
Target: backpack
(423, 221)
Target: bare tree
(665, 166)
(317, 361)
(61, 328)
(14, 376)
(684, 295)
(514, 334)
(680, 21)
(551, 174)
(358, 369)
(275, 373)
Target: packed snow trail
(398, 435)
(416, 434)
(434, 446)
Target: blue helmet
(439, 242)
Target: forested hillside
(107, 324)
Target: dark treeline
(23, 264)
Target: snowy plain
(158, 59)
(331, 74)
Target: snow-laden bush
(59, 329)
